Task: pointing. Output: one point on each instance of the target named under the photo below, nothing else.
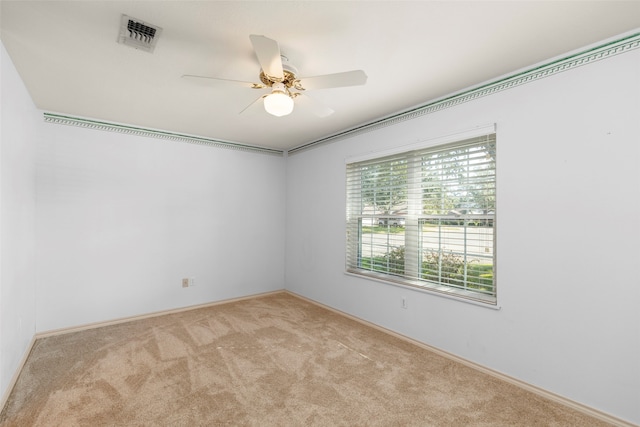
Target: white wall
(568, 210)
(122, 219)
(18, 136)
(97, 226)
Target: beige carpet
(274, 360)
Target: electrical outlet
(404, 302)
(192, 281)
(185, 282)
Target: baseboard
(14, 379)
(594, 413)
(16, 374)
(95, 325)
(499, 375)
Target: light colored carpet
(274, 360)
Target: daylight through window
(427, 218)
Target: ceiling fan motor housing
(289, 79)
(288, 66)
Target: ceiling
(412, 52)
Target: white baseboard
(511, 380)
(16, 374)
(87, 326)
(14, 379)
(602, 416)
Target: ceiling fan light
(278, 104)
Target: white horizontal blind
(426, 218)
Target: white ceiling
(413, 52)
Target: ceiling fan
(281, 77)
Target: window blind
(426, 218)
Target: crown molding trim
(583, 57)
(153, 133)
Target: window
(426, 218)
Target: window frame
(415, 219)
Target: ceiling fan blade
(348, 78)
(268, 53)
(253, 107)
(313, 105)
(213, 81)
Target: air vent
(138, 34)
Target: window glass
(426, 218)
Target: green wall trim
(599, 52)
(139, 131)
(584, 57)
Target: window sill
(440, 291)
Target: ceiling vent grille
(138, 34)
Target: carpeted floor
(274, 360)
